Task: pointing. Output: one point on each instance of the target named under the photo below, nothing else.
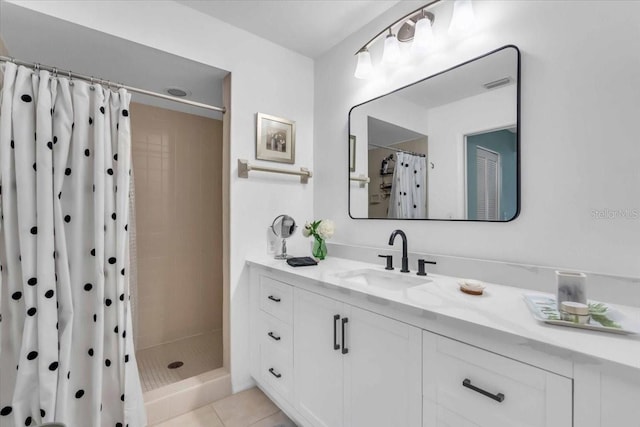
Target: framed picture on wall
(352, 153)
(275, 139)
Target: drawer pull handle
(345, 350)
(272, 298)
(336, 346)
(275, 337)
(274, 373)
(497, 397)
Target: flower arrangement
(321, 230)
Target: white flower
(306, 230)
(326, 229)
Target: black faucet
(405, 258)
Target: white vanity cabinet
(354, 368)
(333, 357)
(330, 364)
(465, 386)
(271, 322)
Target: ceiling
(73, 47)
(383, 134)
(463, 81)
(459, 83)
(309, 27)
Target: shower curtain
(66, 350)
(408, 196)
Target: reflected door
(488, 182)
(491, 175)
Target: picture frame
(352, 153)
(275, 139)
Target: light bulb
(463, 19)
(391, 52)
(364, 67)
(423, 37)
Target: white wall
(265, 78)
(448, 125)
(580, 126)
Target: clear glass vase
(319, 248)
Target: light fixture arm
(398, 21)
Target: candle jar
(571, 287)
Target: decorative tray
(604, 318)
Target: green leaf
(597, 308)
(605, 321)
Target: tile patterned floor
(250, 408)
(199, 354)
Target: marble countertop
(501, 308)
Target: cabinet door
(468, 386)
(383, 368)
(606, 395)
(620, 398)
(317, 364)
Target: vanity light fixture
(423, 35)
(463, 19)
(416, 27)
(364, 67)
(391, 53)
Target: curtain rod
(91, 79)
(399, 151)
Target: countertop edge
(553, 349)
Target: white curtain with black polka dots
(65, 158)
(408, 198)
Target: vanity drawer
(276, 298)
(275, 333)
(489, 390)
(276, 369)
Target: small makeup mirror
(284, 227)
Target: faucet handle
(389, 261)
(421, 269)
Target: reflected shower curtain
(66, 350)
(408, 198)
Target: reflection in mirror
(443, 148)
(283, 226)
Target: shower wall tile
(177, 162)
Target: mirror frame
(518, 150)
(281, 218)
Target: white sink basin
(382, 279)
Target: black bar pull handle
(275, 337)
(345, 350)
(336, 346)
(272, 298)
(274, 373)
(497, 397)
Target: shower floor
(200, 353)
